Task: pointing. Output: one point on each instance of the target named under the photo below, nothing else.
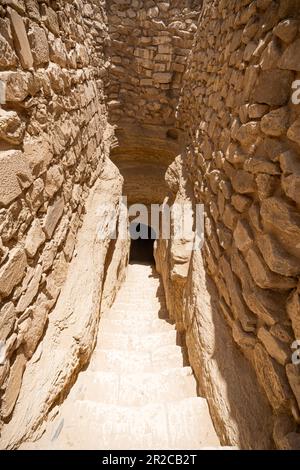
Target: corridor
(137, 392)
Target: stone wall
(53, 142)
(148, 48)
(150, 41)
(242, 161)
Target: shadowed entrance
(142, 243)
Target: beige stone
(13, 384)
(278, 93)
(294, 132)
(51, 19)
(54, 213)
(293, 310)
(276, 122)
(14, 175)
(243, 182)
(162, 77)
(35, 238)
(279, 351)
(58, 52)
(11, 127)
(8, 57)
(276, 257)
(31, 291)
(54, 180)
(287, 29)
(283, 218)
(271, 377)
(7, 320)
(38, 153)
(242, 236)
(262, 275)
(291, 57)
(21, 39)
(39, 316)
(13, 271)
(293, 374)
(39, 45)
(17, 85)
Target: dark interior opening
(142, 243)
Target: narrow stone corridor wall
(217, 90)
(242, 162)
(54, 138)
(149, 43)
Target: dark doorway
(142, 243)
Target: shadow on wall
(142, 243)
(239, 408)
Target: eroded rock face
(72, 331)
(242, 311)
(55, 142)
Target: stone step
(108, 339)
(180, 425)
(139, 326)
(136, 315)
(129, 361)
(137, 303)
(135, 389)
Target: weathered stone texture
(243, 164)
(53, 137)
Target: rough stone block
(263, 276)
(290, 60)
(8, 57)
(283, 219)
(13, 271)
(21, 39)
(13, 384)
(11, 127)
(38, 153)
(276, 122)
(242, 236)
(293, 373)
(274, 254)
(31, 291)
(286, 30)
(273, 87)
(39, 316)
(39, 45)
(54, 213)
(162, 77)
(279, 351)
(14, 175)
(243, 182)
(54, 180)
(35, 238)
(293, 310)
(272, 379)
(7, 320)
(294, 132)
(16, 85)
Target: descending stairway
(137, 392)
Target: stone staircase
(137, 392)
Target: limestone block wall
(150, 41)
(53, 141)
(243, 163)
